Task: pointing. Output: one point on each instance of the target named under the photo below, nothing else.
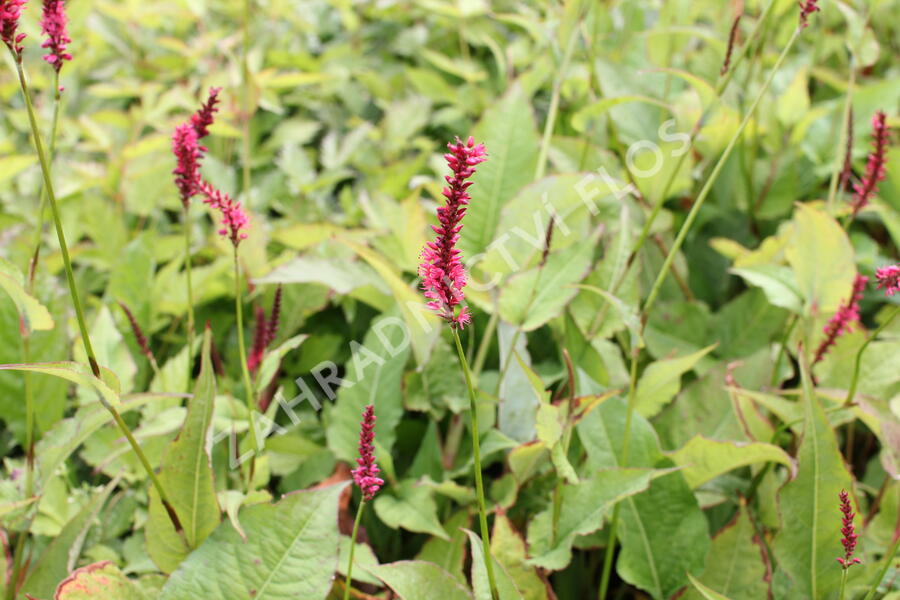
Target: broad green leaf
(661, 381)
(374, 376)
(98, 581)
(776, 281)
(510, 136)
(108, 386)
(59, 557)
(706, 592)
(734, 566)
(35, 315)
(449, 555)
(415, 579)
(187, 477)
(508, 548)
(810, 536)
(13, 164)
(342, 276)
(535, 296)
(273, 358)
(413, 508)
(291, 551)
(822, 258)
(704, 459)
(583, 509)
(583, 116)
(506, 587)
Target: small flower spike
(848, 532)
(888, 279)
(807, 8)
(875, 167)
(10, 12)
(188, 153)
(53, 25)
(234, 219)
(842, 321)
(443, 276)
(204, 117)
(366, 474)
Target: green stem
(476, 454)
(245, 102)
(889, 558)
(186, 223)
(781, 349)
(842, 144)
(856, 365)
(541, 167)
(485, 343)
(707, 187)
(245, 372)
(843, 584)
(359, 512)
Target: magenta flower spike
(10, 12)
(366, 474)
(234, 219)
(843, 319)
(443, 276)
(266, 330)
(53, 25)
(203, 118)
(888, 279)
(875, 167)
(848, 532)
(188, 153)
(807, 8)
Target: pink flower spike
(888, 279)
(843, 319)
(234, 219)
(53, 25)
(443, 276)
(204, 117)
(807, 8)
(875, 167)
(848, 532)
(366, 474)
(188, 153)
(10, 12)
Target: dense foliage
(675, 321)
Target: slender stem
(842, 144)
(186, 224)
(858, 362)
(541, 167)
(245, 102)
(707, 187)
(485, 343)
(359, 512)
(781, 349)
(843, 584)
(476, 454)
(888, 559)
(245, 372)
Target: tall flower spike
(234, 219)
(443, 276)
(204, 117)
(888, 279)
(53, 25)
(258, 350)
(274, 316)
(843, 319)
(875, 171)
(807, 8)
(848, 532)
(366, 474)
(10, 12)
(188, 153)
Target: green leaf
(734, 566)
(374, 376)
(535, 296)
(509, 549)
(776, 281)
(510, 136)
(413, 508)
(449, 555)
(506, 588)
(108, 386)
(98, 581)
(810, 536)
(291, 551)
(187, 477)
(415, 579)
(705, 459)
(661, 381)
(705, 591)
(822, 258)
(35, 315)
(273, 358)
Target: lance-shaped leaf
(662, 380)
(704, 459)
(107, 386)
(415, 579)
(506, 587)
(291, 552)
(35, 315)
(186, 475)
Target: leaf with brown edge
(99, 581)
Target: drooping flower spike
(53, 25)
(888, 279)
(10, 12)
(443, 276)
(848, 532)
(234, 219)
(366, 474)
(843, 319)
(807, 8)
(875, 167)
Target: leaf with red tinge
(98, 581)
